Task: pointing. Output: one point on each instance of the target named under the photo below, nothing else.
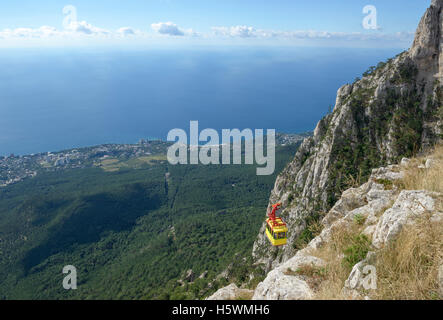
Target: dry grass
(425, 179)
(408, 267)
(336, 272)
(244, 296)
(313, 275)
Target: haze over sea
(54, 99)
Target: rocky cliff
(394, 111)
(364, 228)
(381, 240)
(353, 200)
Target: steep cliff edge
(394, 111)
(381, 240)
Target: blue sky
(295, 22)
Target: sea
(53, 99)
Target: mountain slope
(394, 111)
(132, 232)
(382, 240)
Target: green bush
(356, 251)
(387, 184)
(359, 219)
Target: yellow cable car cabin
(276, 229)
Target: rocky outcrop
(189, 276)
(279, 286)
(393, 112)
(357, 280)
(231, 292)
(428, 41)
(283, 283)
(380, 209)
(408, 205)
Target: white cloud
(86, 28)
(42, 32)
(167, 28)
(127, 31)
(76, 30)
(235, 31)
(348, 36)
(251, 32)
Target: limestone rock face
(357, 279)
(389, 115)
(383, 210)
(428, 41)
(282, 287)
(409, 205)
(231, 292)
(366, 130)
(190, 275)
(283, 283)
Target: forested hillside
(131, 232)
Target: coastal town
(15, 168)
